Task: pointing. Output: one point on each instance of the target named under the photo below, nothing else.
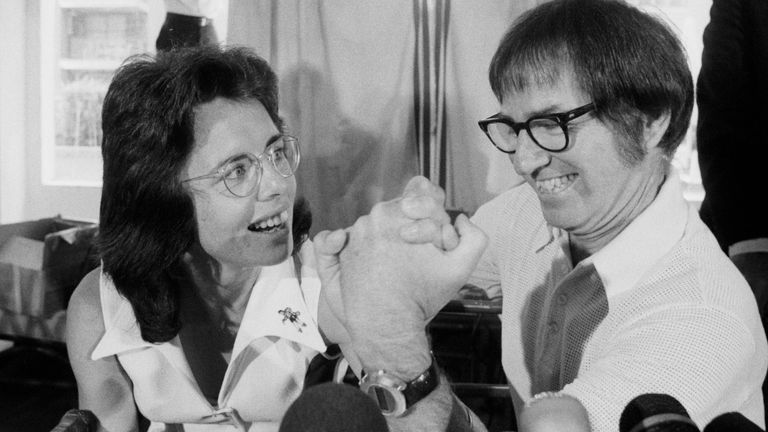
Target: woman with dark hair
(203, 310)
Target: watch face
(383, 397)
(389, 400)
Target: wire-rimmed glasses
(242, 173)
(548, 131)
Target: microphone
(655, 412)
(732, 422)
(76, 420)
(333, 407)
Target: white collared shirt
(269, 358)
(660, 309)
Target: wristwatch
(393, 395)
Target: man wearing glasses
(612, 285)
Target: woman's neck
(223, 288)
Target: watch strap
(421, 386)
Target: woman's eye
(236, 170)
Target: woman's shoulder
(86, 295)
(84, 314)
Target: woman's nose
(272, 183)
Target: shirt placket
(571, 295)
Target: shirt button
(562, 299)
(553, 327)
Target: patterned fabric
(269, 359)
(660, 309)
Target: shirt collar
(653, 233)
(277, 289)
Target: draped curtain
(378, 92)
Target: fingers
(417, 185)
(450, 237)
(422, 207)
(471, 244)
(422, 231)
(421, 186)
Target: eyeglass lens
(546, 132)
(243, 174)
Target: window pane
(94, 38)
(108, 33)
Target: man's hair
(147, 218)
(629, 63)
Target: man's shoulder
(697, 270)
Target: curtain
(475, 170)
(378, 92)
(346, 91)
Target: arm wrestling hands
(384, 278)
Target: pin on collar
(293, 317)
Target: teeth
(557, 184)
(273, 221)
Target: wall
(12, 108)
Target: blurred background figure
(188, 23)
(732, 138)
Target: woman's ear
(655, 130)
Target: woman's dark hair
(147, 219)
(629, 63)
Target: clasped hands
(388, 275)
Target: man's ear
(655, 130)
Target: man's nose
(529, 156)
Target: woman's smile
(270, 224)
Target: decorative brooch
(289, 315)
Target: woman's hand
(379, 291)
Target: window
(87, 41)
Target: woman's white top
(268, 363)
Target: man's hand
(423, 202)
(380, 291)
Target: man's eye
(546, 125)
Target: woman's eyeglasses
(242, 173)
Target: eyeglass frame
(220, 174)
(562, 120)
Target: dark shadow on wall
(345, 168)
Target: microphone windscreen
(732, 422)
(656, 412)
(333, 407)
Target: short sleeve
(702, 356)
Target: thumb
(472, 242)
(330, 312)
(328, 245)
